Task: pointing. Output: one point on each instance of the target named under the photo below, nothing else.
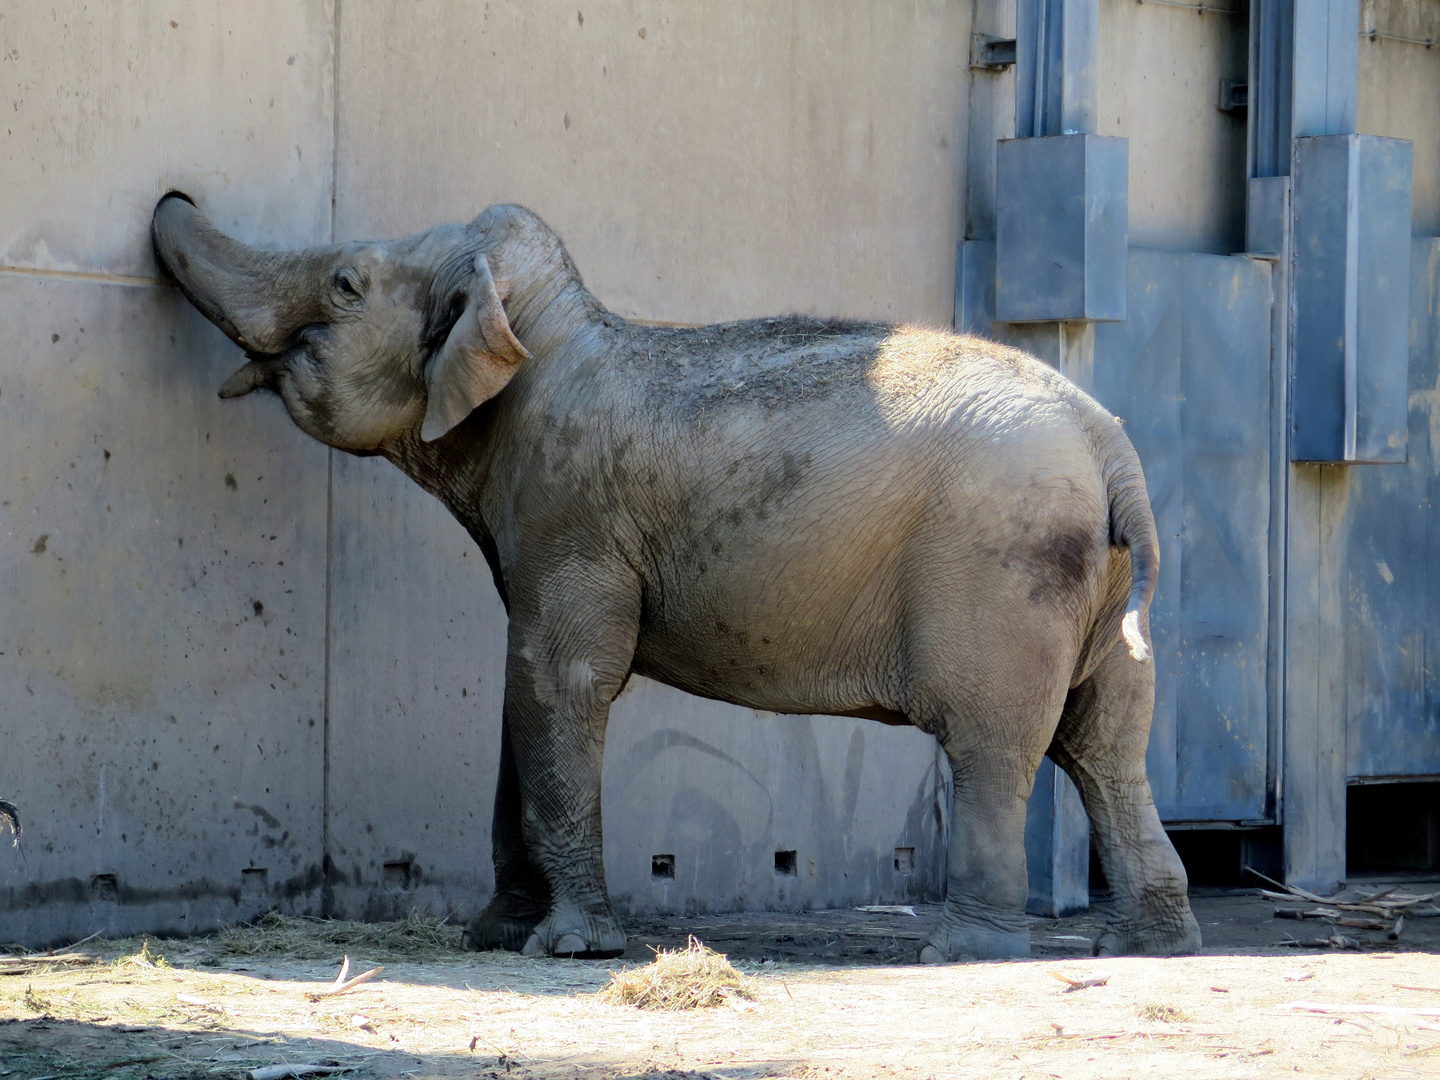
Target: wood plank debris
(1381, 912)
(1073, 984)
(281, 1072)
(1360, 1009)
(343, 985)
(24, 965)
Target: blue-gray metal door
(1189, 372)
(1392, 571)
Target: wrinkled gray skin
(787, 514)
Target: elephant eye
(347, 283)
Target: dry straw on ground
(696, 977)
(417, 937)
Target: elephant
(791, 514)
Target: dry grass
(416, 937)
(143, 959)
(696, 977)
(1164, 1014)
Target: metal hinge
(1234, 96)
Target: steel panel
(1324, 64)
(1060, 228)
(1352, 198)
(1267, 215)
(1189, 372)
(1057, 845)
(1057, 45)
(1392, 571)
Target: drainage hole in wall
(905, 860)
(104, 887)
(785, 863)
(399, 875)
(662, 866)
(1392, 828)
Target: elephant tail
(1133, 525)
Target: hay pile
(416, 937)
(695, 977)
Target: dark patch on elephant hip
(1062, 564)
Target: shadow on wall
(771, 821)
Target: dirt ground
(837, 996)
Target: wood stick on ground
(200, 1003)
(1361, 924)
(341, 985)
(1427, 989)
(1357, 1010)
(20, 965)
(1073, 984)
(1335, 941)
(1304, 894)
(280, 1072)
(37, 960)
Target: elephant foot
(578, 935)
(506, 923)
(966, 937)
(1127, 937)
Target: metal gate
(1390, 547)
(1189, 373)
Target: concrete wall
(226, 653)
(1160, 72)
(162, 559)
(1399, 92)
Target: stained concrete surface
(162, 646)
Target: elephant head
(369, 343)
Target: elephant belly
(812, 630)
(859, 615)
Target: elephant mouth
(261, 372)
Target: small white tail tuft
(1130, 627)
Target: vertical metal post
(1057, 45)
(1056, 93)
(1304, 56)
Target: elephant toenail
(533, 947)
(570, 945)
(929, 954)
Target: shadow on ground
(77, 1050)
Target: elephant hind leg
(522, 896)
(1100, 743)
(994, 752)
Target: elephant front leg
(522, 896)
(561, 676)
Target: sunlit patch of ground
(829, 1003)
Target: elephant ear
(476, 361)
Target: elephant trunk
(258, 298)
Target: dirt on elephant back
(835, 996)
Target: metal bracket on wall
(990, 53)
(1349, 375)
(1234, 96)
